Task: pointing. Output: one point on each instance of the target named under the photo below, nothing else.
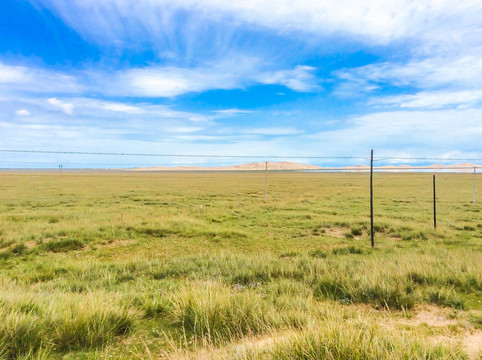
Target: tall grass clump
(21, 334)
(355, 342)
(215, 313)
(57, 322)
(91, 324)
(62, 245)
(391, 281)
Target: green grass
(125, 265)
(358, 342)
(57, 322)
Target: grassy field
(197, 265)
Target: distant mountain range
(286, 165)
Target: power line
(426, 158)
(68, 163)
(232, 156)
(181, 155)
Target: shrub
(356, 231)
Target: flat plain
(196, 265)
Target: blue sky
(304, 78)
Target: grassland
(130, 266)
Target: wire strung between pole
(232, 156)
(180, 155)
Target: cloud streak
(226, 75)
(37, 80)
(157, 81)
(67, 108)
(378, 22)
(431, 100)
(22, 112)
(427, 73)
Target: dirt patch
(258, 343)
(473, 345)
(30, 244)
(118, 242)
(336, 232)
(238, 349)
(471, 342)
(431, 316)
(7, 248)
(435, 317)
(109, 245)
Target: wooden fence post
(434, 205)
(372, 235)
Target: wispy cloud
(133, 110)
(431, 99)
(300, 79)
(434, 72)
(11, 74)
(37, 80)
(226, 75)
(22, 112)
(67, 108)
(429, 83)
(233, 111)
(379, 22)
(271, 131)
(420, 133)
(120, 107)
(157, 81)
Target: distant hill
(286, 165)
(282, 165)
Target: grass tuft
(62, 245)
(215, 313)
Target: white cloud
(11, 74)
(234, 72)
(299, 79)
(67, 108)
(420, 133)
(396, 134)
(231, 73)
(427, 73)
(22, 112)
(132, 110)
(233, 111)
(37, 80)
(440, 40)
(437, 82)
(271, 131)
(120, 107)
(378, 21)
(431, 99)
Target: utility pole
(372, 235)
(266, 182)
(475, 175)
(434, 205)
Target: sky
(246, 78)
